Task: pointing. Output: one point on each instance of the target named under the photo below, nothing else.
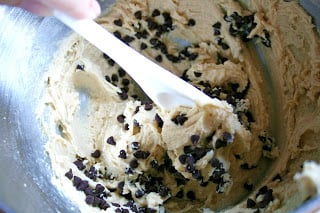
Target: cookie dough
(113, 150)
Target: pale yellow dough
(267, 133)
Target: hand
(76, 8)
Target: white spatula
(164, 88)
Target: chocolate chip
(128, 39)
(96, 154)
(121, 72)
(120, 185)
(143, 46)
(158, 58)
(172, 58)
(152, 25)
(141, 154)
(69, 174)
(128, 171)
(139, 193)
(158, 120)
(134, 163)
(217, 25)
(116, 204)
(195, 139)
(183, 159)
(227, 137)
(148, 106)
(191, 195)
(99, 189)
(121, 118)
(80, 67)
(155, 13)
(126, 127)
(246, 166)
(215, 163)
(118, 22)
(82, 186)
(123, 95)
(277, 177)
(111, 141)
(179, 194)
(248, 186)
(221, 59)
(91, 173)
(180, 119)
(138, 15)
(251, 203)
(163, 191)
(89, 199)
(196, 174)
(108, 79)
(117, 34)
(123, 154)
(197, 74)
(79, 164)
(111, 62)
(191, 22)
(220, 143)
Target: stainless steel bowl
(27, 46)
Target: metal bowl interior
(27, 45)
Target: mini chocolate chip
(69, 174)
(251, 203)
(152, 25)
(82, 185)
(159, 120)
(141, 154)
(183, 159)
(148, 106)
(128, 171)
(96, 154)
(121, 118)
(139, 193)
(158, 58)
(120, 185)
(155, 13)
(248, 186)
(191, 195)
(134, 163)
(123, 154)
(217, 25)
(108, 79)
(179, 194)
(80, 67)
(135, 145)
(227, 137)
(195, 139)
(191, 22)
(246, 166)
(154, 164)
(125, 81)
(89, 199)
(123, 95)
(277, 177)
(121, 72)
(116, 204)
(143, 46)
(215, 163)
(196, 174)
(114, 78)
(138, 15)
(111, 62)
(99, 188)
(220, 143)
(126, 127)
(111, 141)
(118, 22)
(180, 119)
(224, 46)
(128, 39)
(104, 205)
(163, 191)
(88, 191)
(117, 34)
(79, 164)
(197, 74)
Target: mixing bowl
(27, 45)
